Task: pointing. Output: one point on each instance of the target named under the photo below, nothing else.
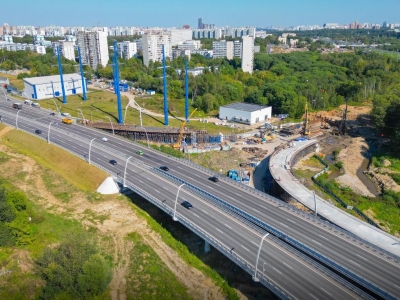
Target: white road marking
(284, 224)
(361, 257)
(325, 291)
(157, 191)
(324, 237)
(245, 248)
(314, 296)
(254, 243)
(140, 181)
(354, 262)
(286, 264)
(263, 206)
(205, 211)
(228, 226)
(317, 242)
(291, 221)
(165, 187)
(219, 230)
(397, 286)
(196, 215)
(277, 270)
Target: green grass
(72, 169)
(19, 83)
(149, 278)
(313, 162)
(395, 162)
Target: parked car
(140, 152)
(38, 131)
(104, 139)
(164, 168)
(187, 205)
(113, 162)
(214, 179)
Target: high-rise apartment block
(127, 49)
(94, 48)
(66, 49)
(152, 47)
(237, 49)
(180, 35)
(247, 54)
(207, 33)
(223, 49)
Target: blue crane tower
(116, 84)
(81, 70)
(61, 75)
(165, 89)
(186, 92)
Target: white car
(104, 139)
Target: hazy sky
(164, 13)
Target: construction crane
(306, 126)
(181, 131)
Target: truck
(66, 121)
(17, 105)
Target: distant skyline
(175, 13)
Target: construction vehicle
(324, 124)
(177, 145)
(306, 125)
(66, 121)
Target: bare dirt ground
(352, 157)
(120, 220)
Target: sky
(175, 13)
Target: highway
(357, 258)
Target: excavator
(177, 145)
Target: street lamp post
(126, 165)
(176, 200)
(90, 147)
(258, 256)
(48, 133)
(147, 137)
(111, 125)
(83, 117)
(59, 113)
(315, 204)
(16, 120)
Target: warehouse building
(245, 113)
(45, 87)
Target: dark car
(38, 131)
(52, 114)
(187, 205)
(214, 179)
(113, 162)
(164, 168)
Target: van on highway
(17, 105)
(66, 121)
(29, 102)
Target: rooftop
(245, 106)
(53, 78)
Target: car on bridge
(104, 139)
(187, 204)
(38, 131)
(113, 162)
(214, 179)
(140, 152)
(164, 168)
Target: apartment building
(215, 33)
(67, 49)
(152, 47)
(190, 45)
(127, 49)
(247, 54)
(180, 35)
(223, 49)
(237, 49)
(94, 48)
(238, 32)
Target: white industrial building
(246, 113)
(127, 49)
(152, 47)
(94, 48)
(247, 54)
(45, 87)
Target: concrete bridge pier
(206, 247)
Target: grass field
(19, 83)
